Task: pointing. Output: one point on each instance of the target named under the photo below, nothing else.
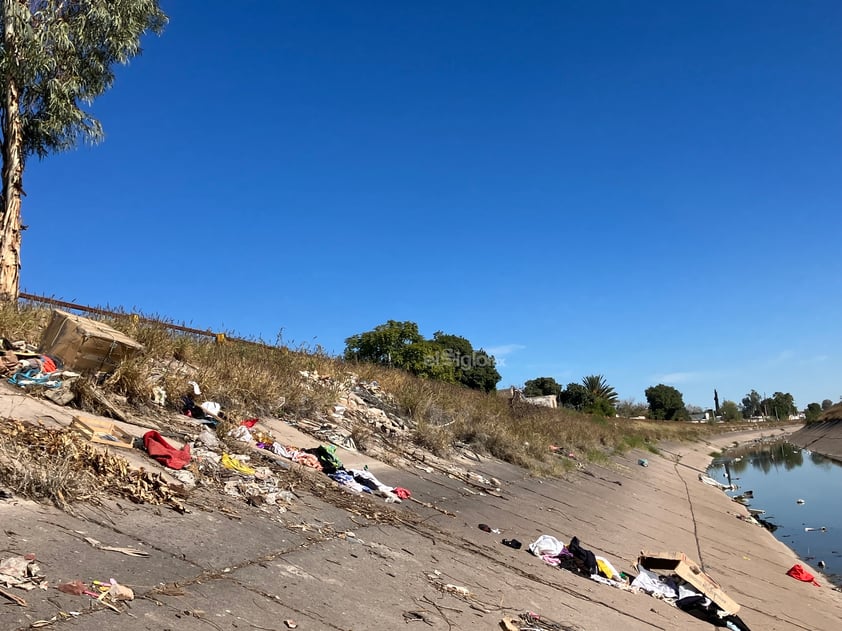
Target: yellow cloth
(606, 569)
(232, 463)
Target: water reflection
(768, 456)
(791, 492)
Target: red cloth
(401, 492)
(798, 571)
(165, 453)
(250, 422)
(49, 365)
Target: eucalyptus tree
(56, 57)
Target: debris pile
(22, 572)
(64, 468)
(23, 365)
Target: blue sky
(647, 190)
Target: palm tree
(599, 388)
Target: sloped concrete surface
(340, 561)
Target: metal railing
(219, 337)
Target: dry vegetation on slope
(265, 380)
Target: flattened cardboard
(86, 345)
(678, 563)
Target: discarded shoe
(512, 543)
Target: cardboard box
(102, 432)
(666, 563)
(85, 345)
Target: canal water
(799, 491)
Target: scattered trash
(706, 479)
(402, 493)
(607, 570)
(290, 623)
(799, 501)
(187, 479)
(546, 546)
(22, 572)
(34, 377)
(61, 395)
(643, 462)
(236, 464)
(75, 588)
(512, 543)
(118, 592)
(60, 617)
(241, 433)
(509, 624)
(15, 599)
(457, 589)
(208, 438)
(822, 529)
(159, 449)
(132, 552)
(416, 616)
(534, 622)
(211, 408)
(286, 496)
(679, 564)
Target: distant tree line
(453, 359)
(814, 410)
(592, 395)
(444, 357)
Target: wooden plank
(102, 432)
(100, 398)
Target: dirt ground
(340, 561)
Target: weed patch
(255, 378)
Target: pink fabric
(163, 452)
(250, 422)
(401, 492)
(308, 460)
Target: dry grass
(833, 413)
(22, 321)
(35, 472)
(260, 379)
(62, 468)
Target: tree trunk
(12, 185)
